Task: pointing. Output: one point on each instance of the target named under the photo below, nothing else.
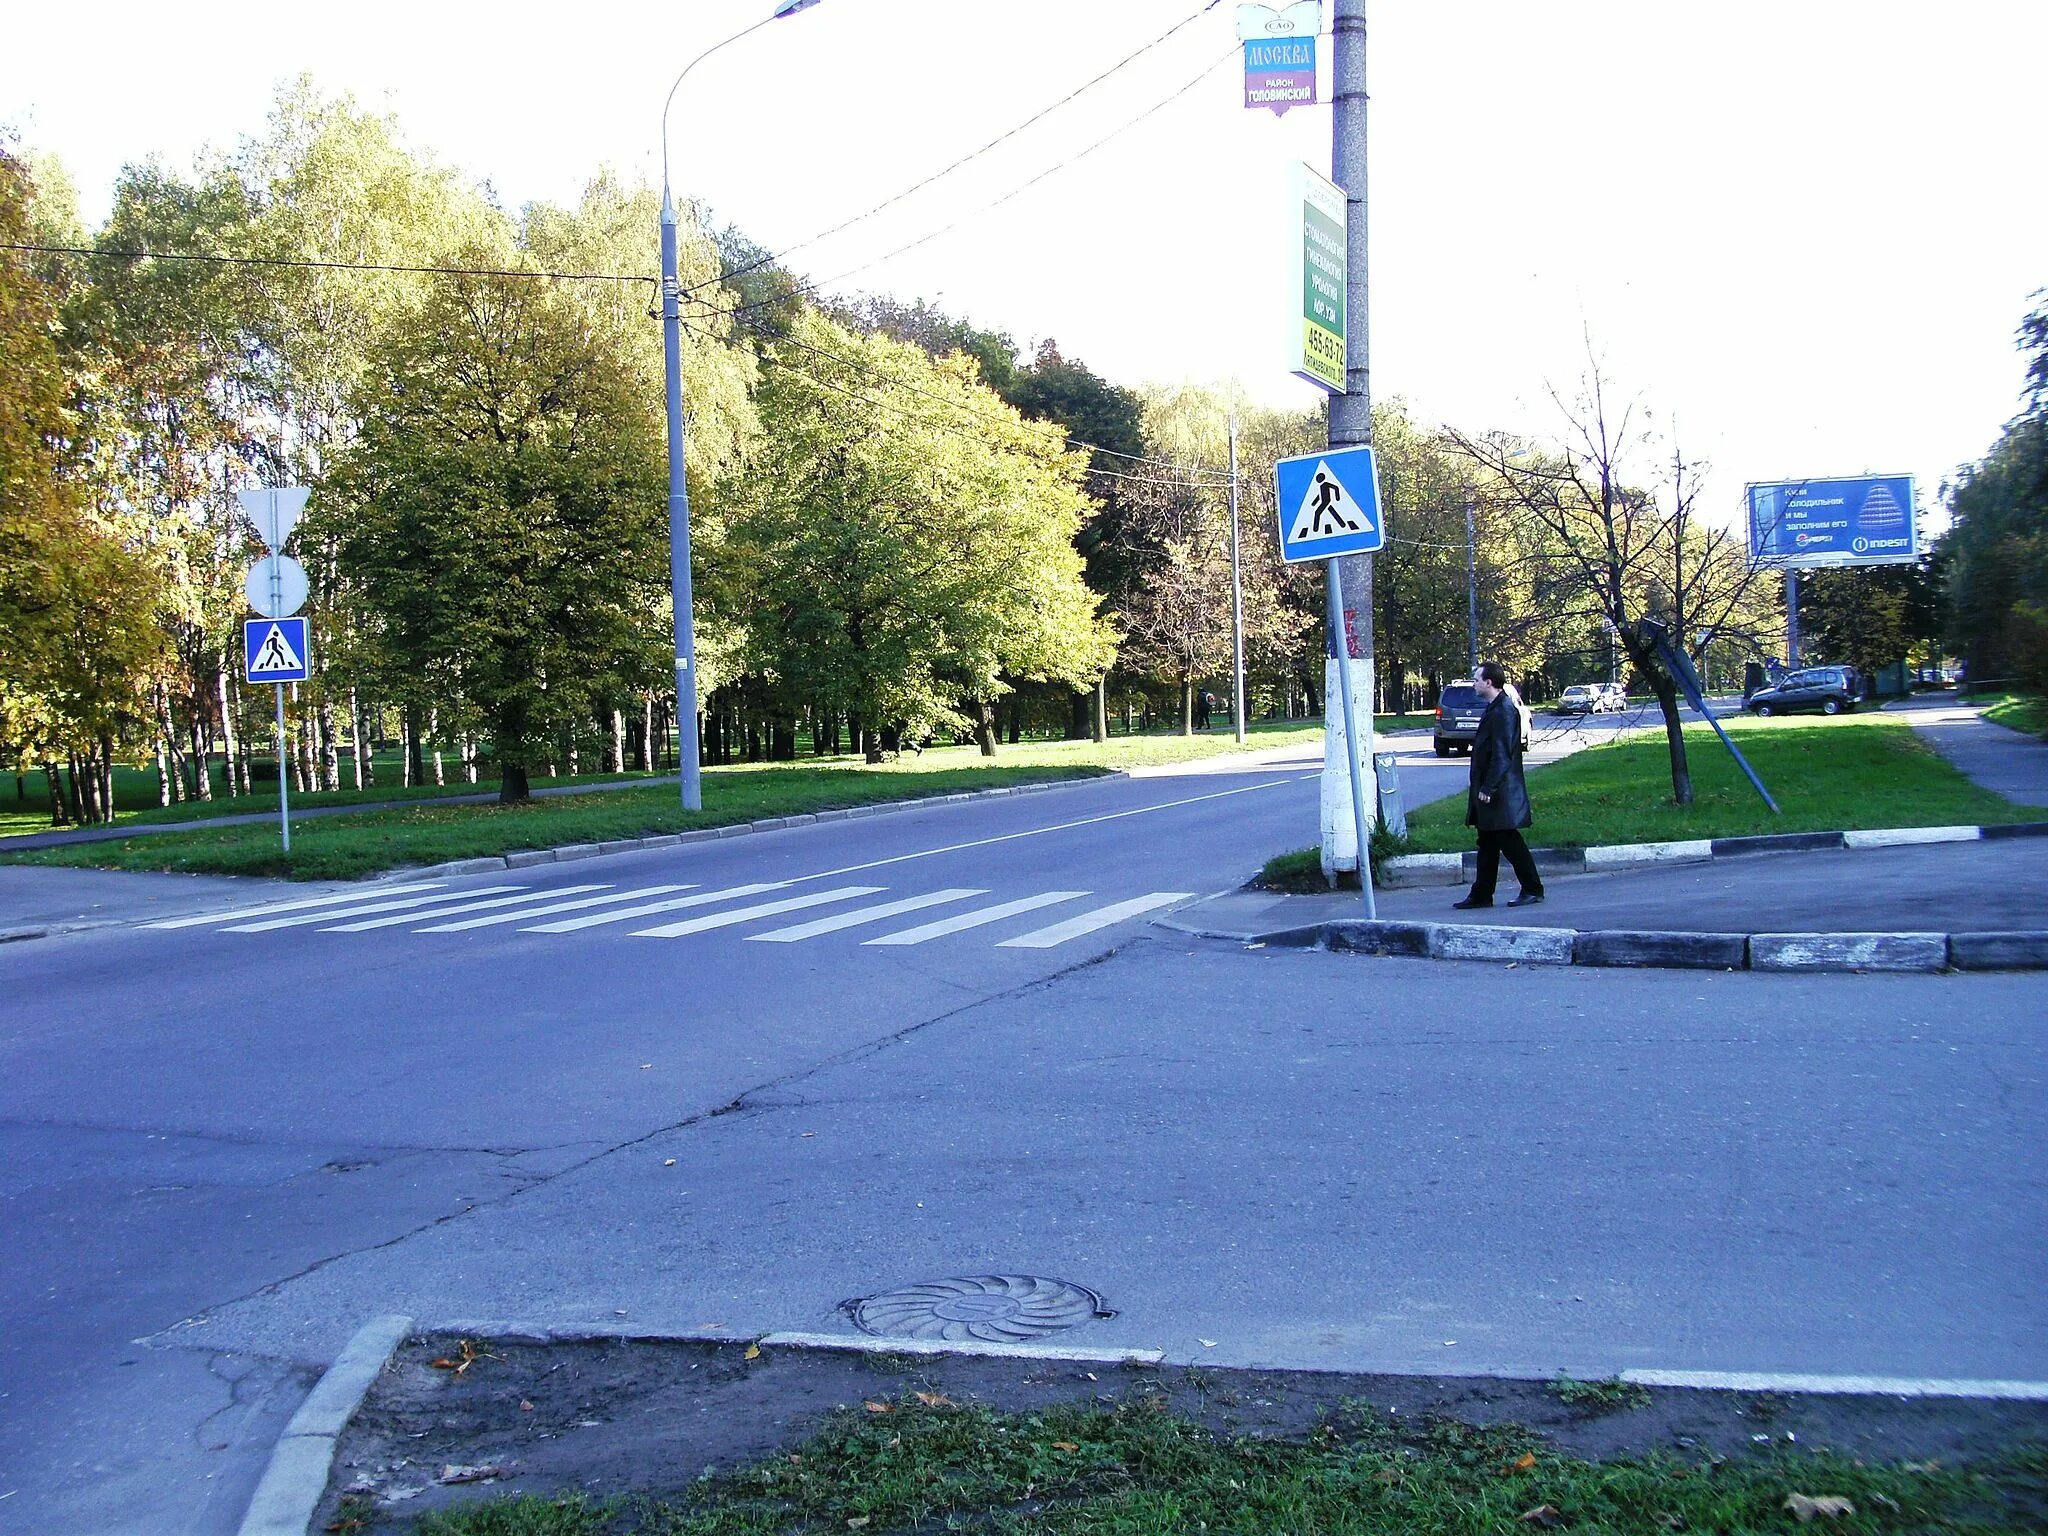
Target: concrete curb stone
(1848, 951)
(1670, 951)
(1998, 951)
(2014, 829)
(1474, 941)
(1776, 842)
(296, 1479)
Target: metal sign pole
(1236, 600)
(284, 804)
(1341, 643)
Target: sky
(1797, 236)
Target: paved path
(2006, 762)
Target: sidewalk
(1986, 887)
(2003, 761)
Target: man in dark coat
(1498, 801)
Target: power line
(940, 175)
(333, 266)
(812, 289)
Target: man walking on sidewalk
(1498, 801)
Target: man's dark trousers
(1491, 846)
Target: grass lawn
(345, 847)
(2026, 712)
(1847, 773)
(905, 1465)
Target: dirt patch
(616, 1416)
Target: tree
(1612, 552)
(901, 544)
(500, 514)
(74, 599)
(1994, 558)
(1869, 618)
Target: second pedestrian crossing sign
(275, 650)
(1329, 504)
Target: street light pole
(1236, 600)
(687, 751)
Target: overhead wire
(812, 288)
(941, 174)
(335, 266)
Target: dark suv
(1457, 718)
(1831, 690)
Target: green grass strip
(1138, 1470)
(1848, 773)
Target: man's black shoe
(1468, 904)
(1528, 899)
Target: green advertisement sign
(1320, 357)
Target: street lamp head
(791, 7)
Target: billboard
(1857, 520)
(1316, 330)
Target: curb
(296, 1479)
(1420, 869)
(527, 858)
(1626, 948)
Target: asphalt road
(226, 1143)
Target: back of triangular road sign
(274, 650)
(1329, 504)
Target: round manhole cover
(997, 1309)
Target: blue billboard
(1864, 520)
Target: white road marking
(524, 898)
(1088, 922)
(1862, 1386)
(976, 919)
(1064, 826)
(701, 899)
(742, 914)
(361, 911)
(292, 906)
(554, 906)
(858, 916)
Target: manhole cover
(997, 1309)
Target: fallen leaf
(1545, 1515)
(483, 1473)
(668, 1162)
(753, 1352)
(1890, 1504)
(1671, 1522)
(874, 1407)
(1521, 1464)
(467, 1355)
(855, 1522)
(1206, 1343)
(1065, 1445)
(808, 1136)
(525, 1406)
(1829, 1506)
(936, 1400)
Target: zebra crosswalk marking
(648, 909)
(361, 911)
(1088, 922)
(742, 914)
(553, 906)
(859, 915)
(976, 919)
(290, 906)
(524, 898)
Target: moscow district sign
(1318, 357)
(1280, 54)
(1866, 520)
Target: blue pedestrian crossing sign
(1329, 504)
(275, 650)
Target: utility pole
(1350, 426)
(1472, 581)
(1791, 619)
(1236, 599)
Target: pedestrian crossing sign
(1329, 504)
(275, 650)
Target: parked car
(1831, 690)
(1591, 699)
(1457, 717)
